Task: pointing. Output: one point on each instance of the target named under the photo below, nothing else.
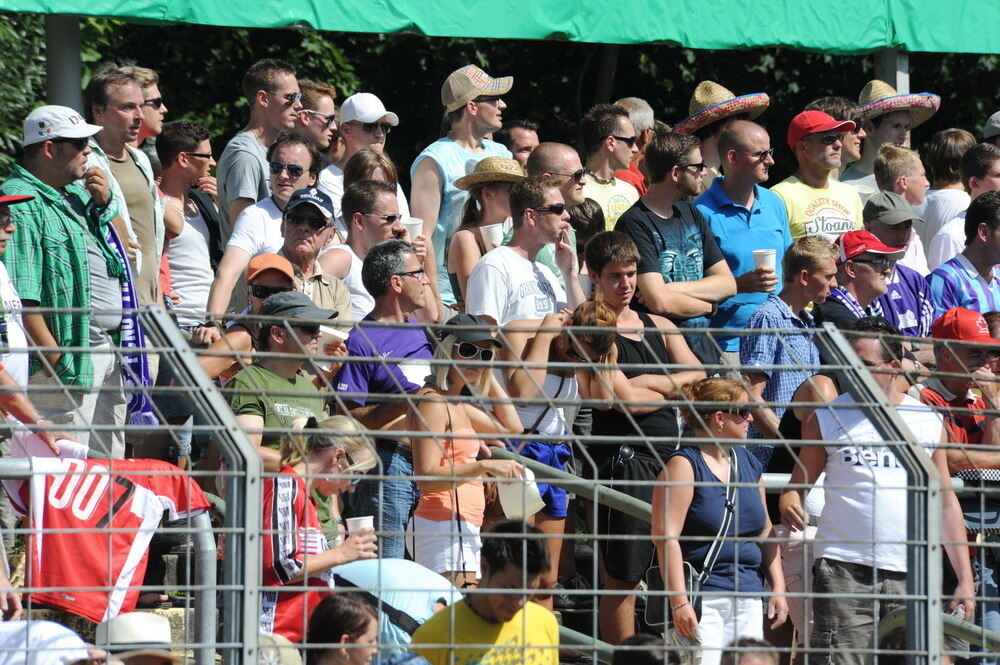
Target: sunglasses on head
(264, 292)
(155, 102)
(468, 350)
(315, 223)
(294, 170)
(555, 208)
(78, 144)
(370, 127)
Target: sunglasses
(468, 350)
(315, 223)
(155, 102)
(294, 170)
(555, 208)
(628, 140)
(698, 167)
(575, 175)
(78, 144)
(761, 155)
(309, 330)
(329, 119)
(487, 99)
(411, 273)
(742, 413)
(203, 155)
(350, 469)
(370, 127)
(292, 97)
(264, 292)
(878, 264)
(830, 139)
(388, 219)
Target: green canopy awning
(835, 26)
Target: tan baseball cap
(465, 84)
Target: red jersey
(292, 533)
(633, 176)
(98, 517)
(964, 415)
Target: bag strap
(396, 616)
(727, 519)
(538, 421)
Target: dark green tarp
(834, 26)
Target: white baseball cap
(56, 122)
(366, 107)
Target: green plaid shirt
(47, 261)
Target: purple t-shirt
(403, 355)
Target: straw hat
(711, 102)
(878, 98)
(492, 169)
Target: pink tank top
(465, 501)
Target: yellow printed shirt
(530, 638)
(826, 212)
(614, 199)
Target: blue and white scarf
(848, 301)
(135, 364)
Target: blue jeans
(987, 570)
(389, 501)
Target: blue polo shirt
(957, 283)
(738, 232)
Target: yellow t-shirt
(614, 199)
(530, 638)
(824, 212)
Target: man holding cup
(750, 225)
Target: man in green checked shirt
(61, 258)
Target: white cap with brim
(365, 107)
(47, 123)
(135, 634)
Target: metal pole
(893, 67)
(204, 599)
(64, 71)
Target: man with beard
(816, 204)
(744, 218)
(682, 273)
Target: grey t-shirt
(242, 172)
(105, 294)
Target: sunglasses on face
(877, 264)
(699, 167)
(203, 155)
(370, 127)
(155, 103)
(292, 98)
(350, 469)
(315, 223)
(742, 413)
(264, 292)
(418, 273)
(830, 139)
(487, 99)
(388, 219)
(328, 119)
(312, 331)
(762, 154)
(294, 170)
(575, 175)
(468, 350)
(555, 208)
(628, 140)
(78, 144)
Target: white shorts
(444, 547)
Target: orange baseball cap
(262, 262)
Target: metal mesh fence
(251, 512)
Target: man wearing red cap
(863, 268)
(816, 204)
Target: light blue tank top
(452, 163)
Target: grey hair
(639, 112)
(382, 262)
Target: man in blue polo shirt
(969, 280)
(745, 217)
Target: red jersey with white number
(292, 533)
(97, 518)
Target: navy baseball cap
(314, 196)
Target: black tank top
(649, 349)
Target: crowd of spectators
(526, 295)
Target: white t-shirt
(948, 242)
(915, 257)
(361, 301)
(258, 229)
(866, 485)
(16, 363)
(191, 270)
(940, 207)
(508, 287)
(331, 181)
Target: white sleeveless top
(866, 485)
(558, 419)
(361, 302)
(191, 270)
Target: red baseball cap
(7, 199)
(963, 325)
(856, 243)
(814, 122)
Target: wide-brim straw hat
(878, 98)
(492, 169)
(712, 102)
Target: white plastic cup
(765, 258)
(359, 524)
(492, 235)
(414, 226)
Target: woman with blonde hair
(488, 204)
(326, 457)
(709, 522)
(443, 533)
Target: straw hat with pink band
(878, 98)
(711, 102)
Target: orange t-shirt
(440, 506)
